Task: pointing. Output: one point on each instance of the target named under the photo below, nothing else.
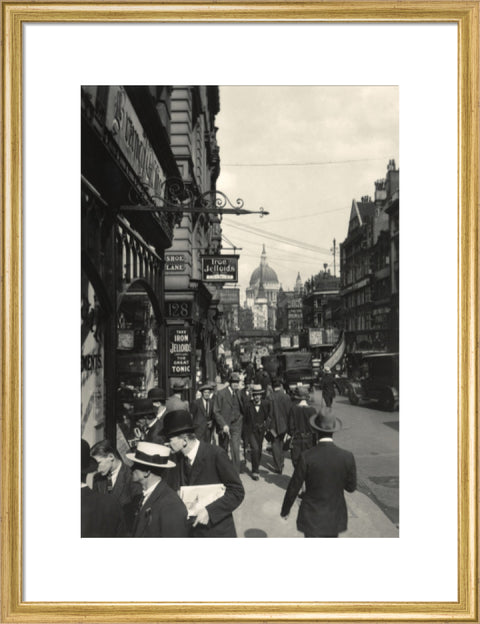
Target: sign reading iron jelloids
(180, 351)
(220, 268)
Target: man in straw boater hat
(161, 512)
(199, 463)
(257, 416)
(202, 413)
(327, 470)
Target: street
(373, 510)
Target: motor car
(378, 381)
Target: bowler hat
(157, 394)
(177, 421)
(301, 393)
(178, 386)
(144, 407)
(234, 378)
(151, 454)
(206, 386)
(325, 422)
(89, 464)
(257, 389)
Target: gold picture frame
(466, 16)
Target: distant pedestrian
(101, 514)
(327, 470)
(228, 416)
(202, 413)
(148, 419)
(199, 463)
(278, 426)
(161, 512)
(257, 415)
(175, 401)
(299, 428)
(114, 478)
(327, 385)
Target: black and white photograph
(240, 311)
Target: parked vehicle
(296, 367)
(378, 381)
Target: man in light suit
(114, 478)
(327, 471)
(202, 413)
(161, 512)
(199, 463)
(227, 412)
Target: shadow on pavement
(255, 533)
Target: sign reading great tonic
(220, 268)
(180, 351)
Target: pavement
(259, 513)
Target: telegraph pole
(334, 251)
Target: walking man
(278, 426)
(202, 414)
(228, 417)
(257, 415)
(299, 426)
(328, 387)
(327, 470)
(199, 463)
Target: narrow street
(373, 510)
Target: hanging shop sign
(315, 337)
(230, 296)
(180, 351)
(174, 263)
(220, 268)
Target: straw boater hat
(256, 389)
(325, 422)
(176, 422)
(150, 454)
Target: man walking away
(327, 470)
(299, 424)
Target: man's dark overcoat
(202, 419)
(101, 515)
(327, 471)
(162, 515)
(212, 465)
(127, 492)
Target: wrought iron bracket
(178, 197)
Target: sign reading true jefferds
(220, 268)
(180, 351)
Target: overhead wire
(304, 164)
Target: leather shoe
(255, 476)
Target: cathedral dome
(263, 273)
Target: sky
(303, 153)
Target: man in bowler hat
(199, 463)
(202, 413)
(227, 411)
(161, 512)
(175, 401)
(278, 426)
(327, 470)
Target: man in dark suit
(328, 386)
(327, 471)
(299, 427)
(114, 478)
(257, 415)
(154, 420)
(278, 426)
(161, 512)
(101, 515)
(202, 413)
(228, 417)
(199, 463)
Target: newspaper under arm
(197, 497)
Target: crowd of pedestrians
(181, 474)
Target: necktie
(188, 468)
(207, 407)
(109, 483)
